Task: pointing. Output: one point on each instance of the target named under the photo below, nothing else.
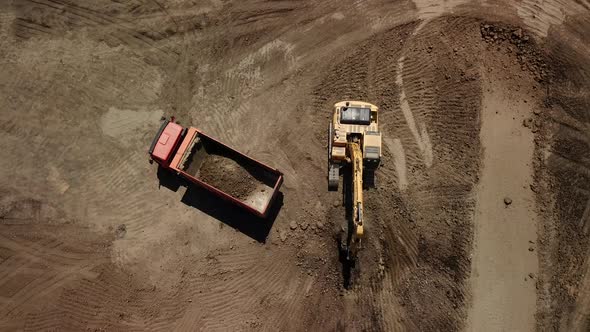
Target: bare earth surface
(504, 264)
(481, 102)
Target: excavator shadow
(344, 236)
(239, 219)
(348, 266)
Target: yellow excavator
(355, 141)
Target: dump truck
(354, 140)
(216, 167)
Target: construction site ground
(479, 221)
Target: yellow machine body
(354, 139)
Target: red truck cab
(165, 143)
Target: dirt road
(505, 262)
(89, 240)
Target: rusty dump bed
(227, 172)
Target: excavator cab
(358, 121)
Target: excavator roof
(355, 115)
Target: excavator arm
(356, 159)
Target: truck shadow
(169, 180)
(239, 219)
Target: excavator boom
(356, 160)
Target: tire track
(26, 28)
(121, 198)
(46, 263)
(240, 81)
(568, 169)
(578, 319)
(240, 290)
(129, 34)
(35, 252)
(539, 16)
(422, 138)
(42, 286)
(11, 264)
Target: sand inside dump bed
(227, 175)
(231, 173)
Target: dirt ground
(480, 218)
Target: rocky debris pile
(528, 55)
(493, 32)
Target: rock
(319, 225)
(293, 225)
(532, 275)
(303, 225)
(531, 249)
(537, 111)
(517, 33)
(121, 231)
(336, 203)
(283, 235)
(507, 200)
(528, 122)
